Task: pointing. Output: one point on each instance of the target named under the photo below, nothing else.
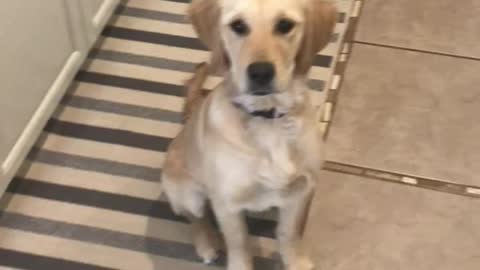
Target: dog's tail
(194, 89)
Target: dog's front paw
(301, 263)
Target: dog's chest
(265, 176)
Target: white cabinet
(43, 44)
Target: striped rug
(89, 196)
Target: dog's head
(265, 44)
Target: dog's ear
(320, 19)
(205, 17)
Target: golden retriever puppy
(253, 143)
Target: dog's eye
(239, 27)
(284, 26)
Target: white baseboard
(103, 15)
(39, 119)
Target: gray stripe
(108, 135)
(151, 14)
(316, 85)
(130, 83)
(143, 60)
(94, 164)
(121, 108)
(154, 37)
(110, 238)
(26, 261)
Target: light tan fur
(226, 157)
(194, 91)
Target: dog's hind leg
(187, 200)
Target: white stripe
(132, 97)
(327, 113)
(94, 181)
(356, 8)
(101, 150)
(320, 73)
(147, 73)
(409, 180)
(335, 82)
(471, 190)
(142, 24)
(119, 121)
(160, 5)
(155, 50)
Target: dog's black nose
(261, 73)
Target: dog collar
(268, 114)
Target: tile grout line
(399, 178)
(414, 50)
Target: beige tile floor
(410, 107)
(445, 26)
(367, 225)
(411, 112)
